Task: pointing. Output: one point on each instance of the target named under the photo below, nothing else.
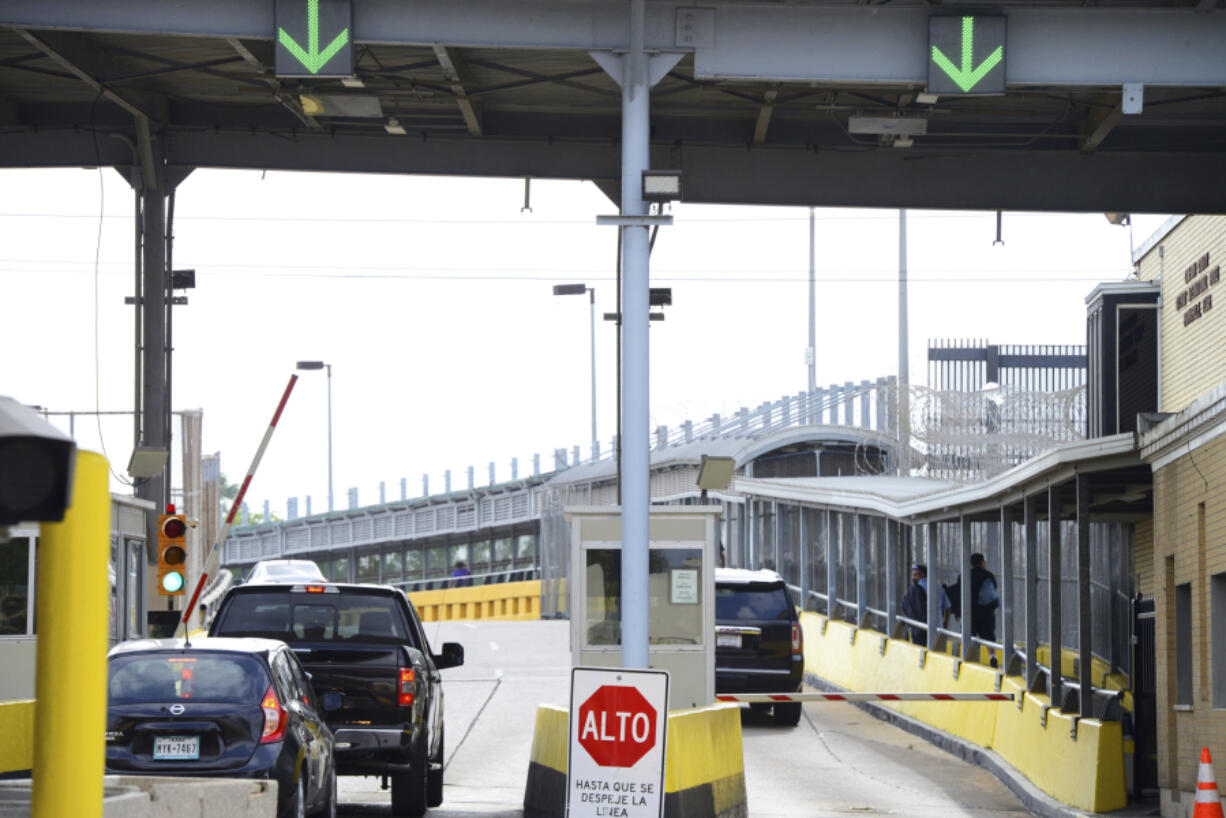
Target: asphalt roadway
(838, 761)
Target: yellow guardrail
(1082, 767)
(501, 600)
(698, 783)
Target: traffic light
(172, 554)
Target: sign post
(618, 727)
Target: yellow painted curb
(17, 729)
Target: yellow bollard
(70, 684)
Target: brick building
(1184, 568)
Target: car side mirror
(452, 656)
(333, 700)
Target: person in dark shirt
(915, 603)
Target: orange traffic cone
(1208, 801)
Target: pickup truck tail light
(798, 639)
(406, 686)
(275, 717)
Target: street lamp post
(310, 365)
(580, 289)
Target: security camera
(36, 467)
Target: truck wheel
(409, 787)
(787, 714)
(434, 781)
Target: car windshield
(752, 601)
(163, 677)
(333, 617)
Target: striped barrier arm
(865, 697)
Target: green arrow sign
(293, 58)
(966, 76)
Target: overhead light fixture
(393, 126)
(360, 106)
(904, 142)
(661, 185)
(659, 296)
(715, 473)
(1119, 218)
(895, 125)
(352, 82)
(146, 462)
(926, 98)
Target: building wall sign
(1199, 278)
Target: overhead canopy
(763, 106)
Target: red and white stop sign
(618, 732)
(617, 726)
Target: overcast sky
(432, 299)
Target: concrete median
(704, 768)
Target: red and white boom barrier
(865, 697)
(215, 550)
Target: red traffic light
(174, 527)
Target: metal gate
(1145, 698)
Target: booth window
(674, 601)
(17, 587)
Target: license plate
(727, 640)
(176, 748)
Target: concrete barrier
(704, 767)
(131, 796)
(497, 601)
(16, 735)
(1083, 768)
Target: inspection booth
(680, 589)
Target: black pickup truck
(369, 663)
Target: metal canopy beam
(69, 55)
(1046, 46)
(1069, 181)
(452, 63)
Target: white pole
(904, 394)
(636, 492)
(811, 352)
(592, 302)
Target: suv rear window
(163, 677)
(752, 601)
(332, 617)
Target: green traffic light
(172, 582)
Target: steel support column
(803, 539)
(1006, 587)
(969, 649)
(895, 540)
(1031, 521)
(862, 523)
(934, 605)
(832, 576)
(1085, 632)
(1055, 685)
(155, 431)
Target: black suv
(366, 651)
(759, 646)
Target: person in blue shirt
(461, 577)
(915, 603)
